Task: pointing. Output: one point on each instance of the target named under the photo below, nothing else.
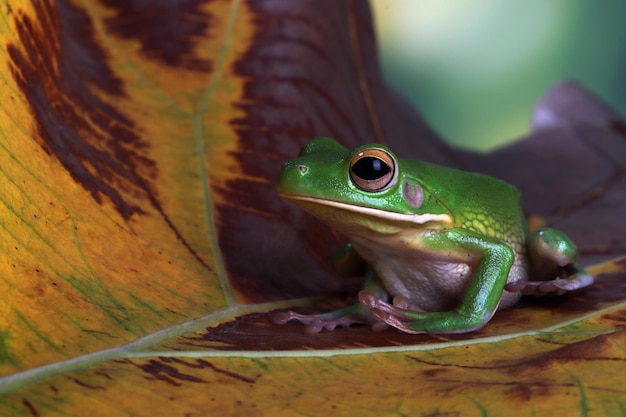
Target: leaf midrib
(138, 348)
(209, 212)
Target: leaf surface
(144, 242)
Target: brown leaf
(572, 170)
(144, 241)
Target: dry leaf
(144, 242)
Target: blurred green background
(476, 68)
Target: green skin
(447, 247)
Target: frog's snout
(292, 176)
(297, 169)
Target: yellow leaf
(143, 242)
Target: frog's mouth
(323, 208)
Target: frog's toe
(281, 317)
(368, 299)
(315, 323)
(403, 303)
(395, 321)
(536, 288)
(371, 301)
(398, 308)
(553, 287)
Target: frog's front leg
(553, 266)
(481, 298)
(343, 317)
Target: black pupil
(370, 168)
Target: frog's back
(475, 201)
(489, 206)
(482, 204)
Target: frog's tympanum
(444, 248)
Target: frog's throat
(380, 214)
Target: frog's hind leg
(579, 278)
(343, 317)
(553, 266)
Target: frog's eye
(372, 169)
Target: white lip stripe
(381, 214)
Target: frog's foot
(344, 317)
(409, 318)
(553, 287)
(552, 254)
(395, 315)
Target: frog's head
(364, 188)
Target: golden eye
(372, 169)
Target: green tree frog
(444, 248)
